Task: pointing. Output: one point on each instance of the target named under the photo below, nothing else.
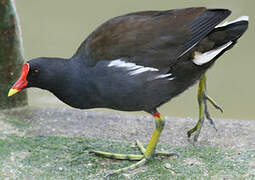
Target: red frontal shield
(21, 82)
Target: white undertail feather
(201, 59)
(133, 68)
(242, 18)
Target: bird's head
(39, 72)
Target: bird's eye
(35, 72)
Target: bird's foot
(157, 153)
(142, 159)
(204, 114)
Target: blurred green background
(56, 29)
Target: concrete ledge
(231, 134)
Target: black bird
(137, 62)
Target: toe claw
(110, 173)
(92, 152)
(195, 139)
(191, 131)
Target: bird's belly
(125, 93)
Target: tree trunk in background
(11, 55)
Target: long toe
(128, 168)
(131, 157)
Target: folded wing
(154, 39)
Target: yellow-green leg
(146, 153)
(203, 109)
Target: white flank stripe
(132, 67)
(141, 70)
(208, 56)
(170, 79)
(242, 18)
(168, 76)
(163, 75)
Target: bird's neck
(58, 74)
(70, 84)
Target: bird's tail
(229, 31)
(224, 37)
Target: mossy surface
(53, 157)
(40, 144)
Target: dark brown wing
(151, 38)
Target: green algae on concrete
(48, 143)
(11, 54)
(56, 158)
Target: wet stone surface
(231, 134)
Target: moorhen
(137, 62)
